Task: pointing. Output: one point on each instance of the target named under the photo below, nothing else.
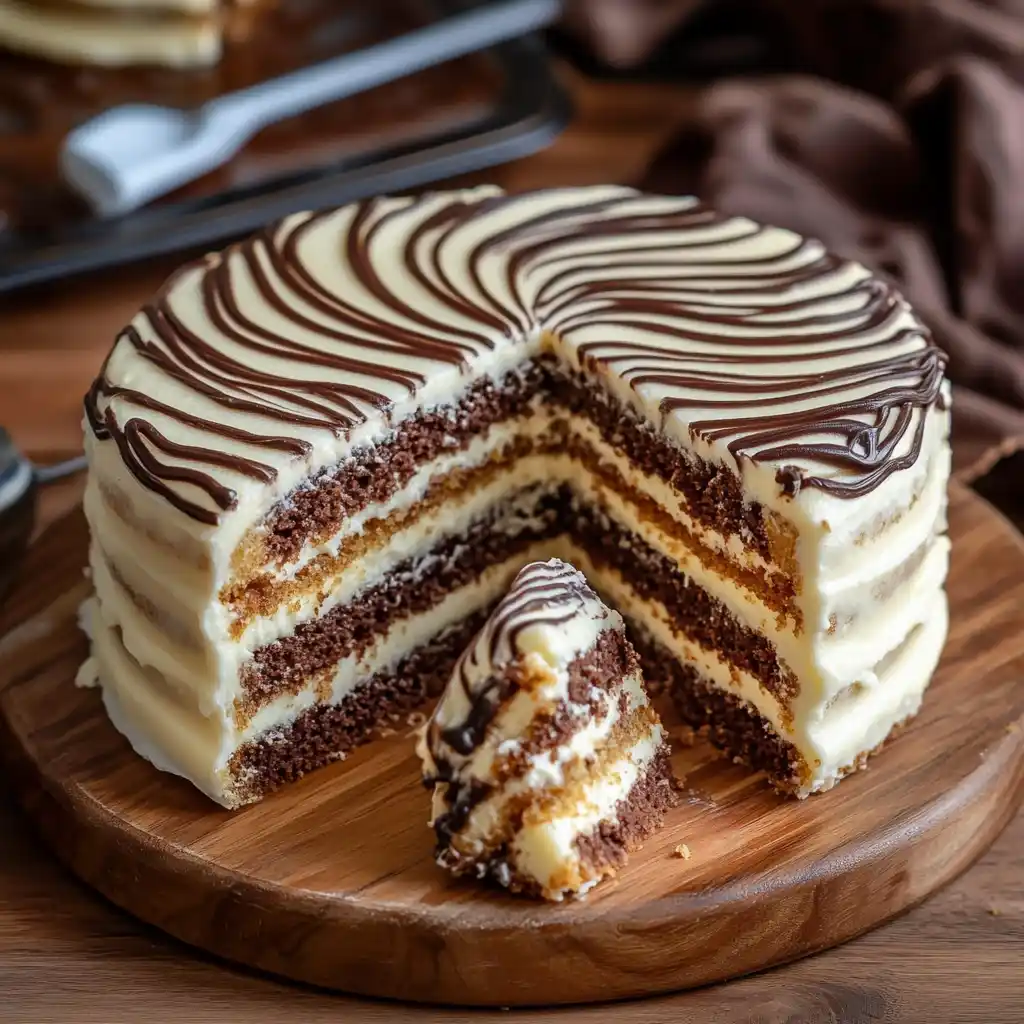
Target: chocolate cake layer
(262, 594)
(714, 494)
(326, 732)
(316, 646)
(730, 724)
(603, 667)
(637, 817)
(376, 473)
(698, 615)
(777, 590)
(351, 628)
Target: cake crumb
(384, 732)
(683, 851)
(415, 719)
(1013, 727)
(995, 912)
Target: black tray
(528, 110)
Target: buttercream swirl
(325, 324)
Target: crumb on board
(682, 850)
(995, 911)
(415, 719)
(1013, 727)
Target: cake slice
(547, 761)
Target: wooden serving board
(331, 881)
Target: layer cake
(118, 33)
(548, 764)
(318, 459)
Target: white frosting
(177, 736)
(727, 293)
(730, 268)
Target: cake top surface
(548, 617)
(320, 333)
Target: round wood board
(331, 881)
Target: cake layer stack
(319, 458)
(547, 762)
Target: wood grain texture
(331, 881)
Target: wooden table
(65, 955)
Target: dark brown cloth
(895, 133)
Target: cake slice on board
(547, 761)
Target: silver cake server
(137, 152)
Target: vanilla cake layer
(547, 762)
(360, 393)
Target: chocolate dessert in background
(40, 101)
(891, 129)
(121, 33)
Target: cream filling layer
(536, 428)
(543, 850)
(829, 734)
(666, 496)
(476, 454)
(175, 736)
(511, 492)
(817, 657)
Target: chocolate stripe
(542, 594)
(748, 336)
